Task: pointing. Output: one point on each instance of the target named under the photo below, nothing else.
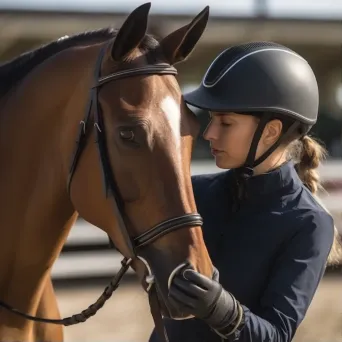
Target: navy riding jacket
(270, 254)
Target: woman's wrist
(233, 328)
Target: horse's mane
(13, 71)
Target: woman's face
(230, 136)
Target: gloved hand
(204, 298)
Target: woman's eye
(225, 124)
(127, 135)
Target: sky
(316, 9)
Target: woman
(268, 236)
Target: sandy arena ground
(126, 317)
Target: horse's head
(145, 136)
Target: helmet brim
(203, 99)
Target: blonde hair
(308, 153)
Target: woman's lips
(215, 152)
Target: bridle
(110, 185)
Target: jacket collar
(283, 179)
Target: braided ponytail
(308, 154)
(312, 154)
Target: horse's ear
(178, 45)
(131, 32)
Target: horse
(94, 125)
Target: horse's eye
(127, 135)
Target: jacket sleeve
(292, 283)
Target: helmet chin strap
(283, 137)
(247, 170)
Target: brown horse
(118, 89)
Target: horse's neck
(37, 136)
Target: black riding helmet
(263, 79)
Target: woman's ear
(272, 132)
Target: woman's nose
(210, 132)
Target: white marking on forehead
(172, 111)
